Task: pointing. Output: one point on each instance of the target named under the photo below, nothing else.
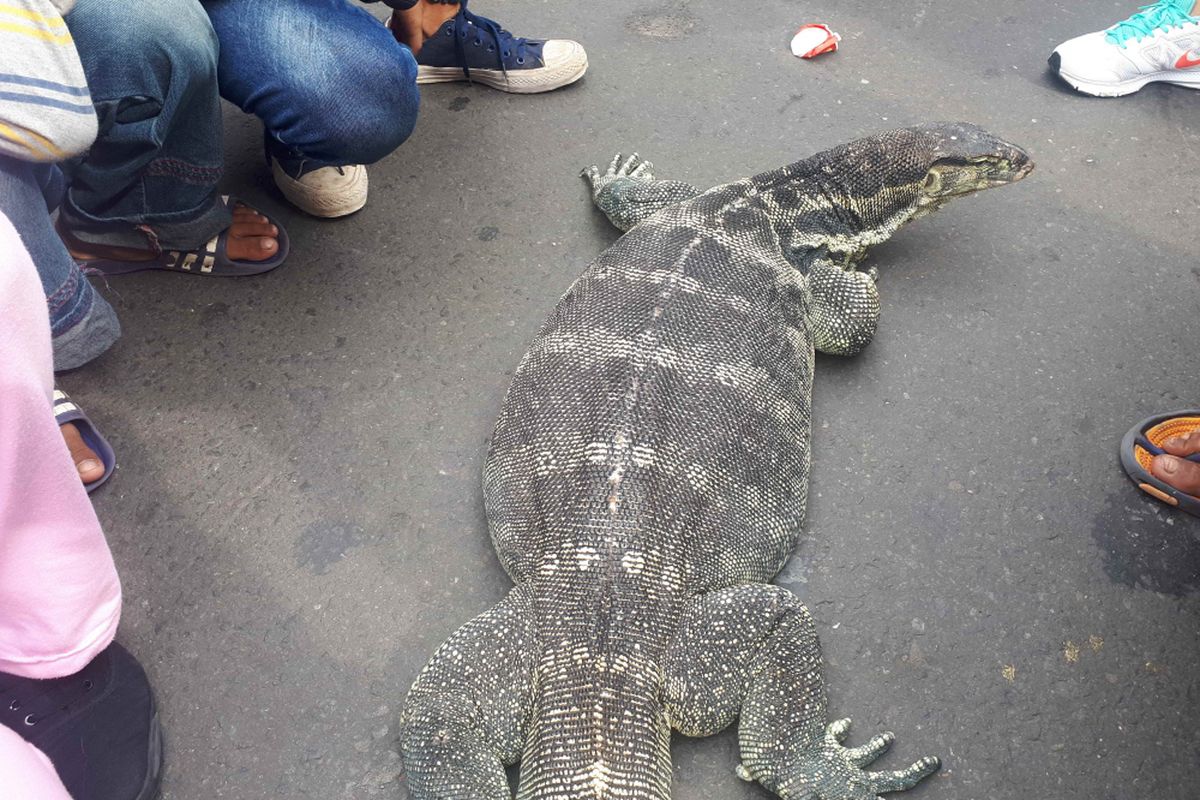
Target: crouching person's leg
(145, 195)
(333, 88)
(83, 325)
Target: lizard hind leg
(465, 717)
(752, 651)
(628, 193)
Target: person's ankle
(435, 15)
(413, 26)
(405, 26)
(83, 251)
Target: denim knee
(382, 118)
(357, 113)
(135, 54)
(352, 100)
(330, 83)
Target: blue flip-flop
(66, 411)
(1143, 442)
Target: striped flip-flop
(211, 259)
(1144, 442)
(66, 411)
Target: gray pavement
(297, 516)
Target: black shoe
(99, 727)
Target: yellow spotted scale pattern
(648, 476)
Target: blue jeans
(331, 85)
(83, 325)
(152, 172)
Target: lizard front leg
(752, 650)
(628, 193)
(465, 717)
(845, 309)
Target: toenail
(87, 465)
(1168, 464)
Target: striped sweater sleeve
(46, 112)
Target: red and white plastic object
(814, 39)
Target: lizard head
(841, 202)
(964, 158)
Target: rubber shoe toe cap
(1092, 58)
(327, 192)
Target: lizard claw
(869, 752)
(633, 166)
(836, 731)
(903, 779)
(830, 771)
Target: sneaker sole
(327, 205)
(154, 761)
(523, 81)
(1122, 88)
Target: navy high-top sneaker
(475, 48)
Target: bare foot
(1176, 470)
(251, 238)
(87, 462)
(414, 26)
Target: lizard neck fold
(821, 215)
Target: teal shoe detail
(1163, 15)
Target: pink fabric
(60, 598)
(25, 772)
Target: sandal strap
(1150, 447)
(62, 403)
(186, 259)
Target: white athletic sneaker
(1161, 42)
(325, 192)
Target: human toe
(1178, 472)
(1186, 444)
(87, 462)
